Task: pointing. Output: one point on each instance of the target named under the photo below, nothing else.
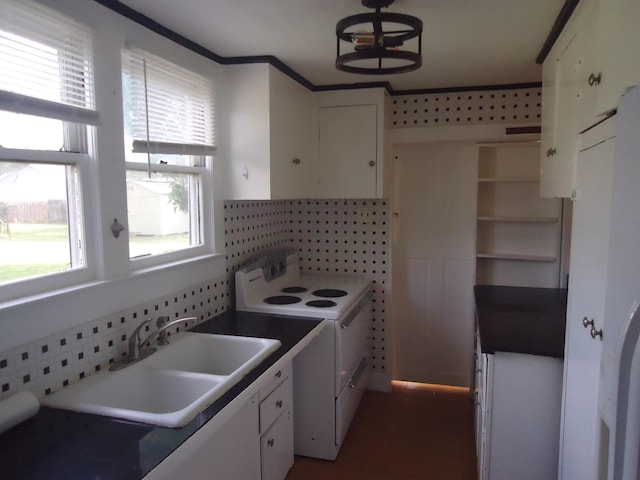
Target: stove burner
(294, 290)
(329, 293)
(321, 303)
(282, 300)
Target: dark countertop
(521, 319)
(61, 444)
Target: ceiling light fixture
(377, 40)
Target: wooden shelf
(516, 256)
(491, 218)
(518, 234)
(507, 179)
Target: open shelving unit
(518, 233)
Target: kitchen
(246, 196)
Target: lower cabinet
(228, 450)
(276, 430)
(518, 416)
(255, 442)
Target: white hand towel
(17, 408)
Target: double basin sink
(171, 386)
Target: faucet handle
(134, 339)
(162, 333)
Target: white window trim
(109, 267)
(44, 283)
(204, 171)
(187, 253)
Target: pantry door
(434, 263)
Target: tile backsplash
(58, 360)
(333, 237)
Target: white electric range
(336, 360)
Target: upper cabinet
(347, 151)
(269, 136)
(617, 68)
(283, 141)
(350, 159)
(591, 65)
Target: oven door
(351, 340)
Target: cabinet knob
(278, 373)
(586, 323)
(372, 163)
(551, 152)
(595, 79)
(596, 333)
(296, 161)
(271, 442)
(279, 404)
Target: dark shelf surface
(521, 319)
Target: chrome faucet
(136, 352)
(163, 323)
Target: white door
(347, 162)
(587, 281)
(434, 263)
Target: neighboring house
(150, 210)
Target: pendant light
(376, 41)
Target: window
(46, 116)
(169, 137)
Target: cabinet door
(290, 131)
(588, 266)
(525, 415)
(230, 451)
(558, 163)
(618, 42)
(277, 448)
(347, 164)
(549, 120)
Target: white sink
(171, 386)
(212, 354)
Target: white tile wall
(333, 237)
(351, 237)
(522, 105)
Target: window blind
(168, 108)
(46, 63)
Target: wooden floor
(416, 432)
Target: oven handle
(357, 376)
(356, 310)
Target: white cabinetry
(591, 65)
(586, 302)
(518, 233)
(351, 157)
(224, 450)
(270, 137)
(517, 416)
(276, 426)
(348, 153)
(618, 39)
(254, 442)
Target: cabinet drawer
(276, 379)
(278, 401)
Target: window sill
(87, 287)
